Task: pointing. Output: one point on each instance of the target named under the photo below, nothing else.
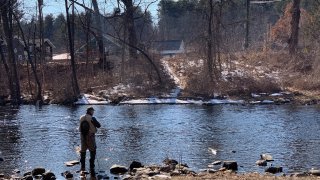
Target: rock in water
(1, 159)
(72, 163)
(216, 163)
(38, 171)
(117, 169)
(315, 172)
(230, 165)
(27, 173)
(28, 177)
(168, 161)
(67, 175)
(48, 176)
(274, 170)
(266, 157)
(17, 171)
(135, 164)
(261, 163)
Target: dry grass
(248, 176)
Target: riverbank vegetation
(228, 49)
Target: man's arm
(95, 122)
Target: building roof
(171, 45)
(45, 40)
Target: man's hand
(95, 122)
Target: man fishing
(88, 128)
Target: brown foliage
(281, 31)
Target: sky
(56, 7)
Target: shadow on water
(48, 136)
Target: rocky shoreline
(170, 169)
(122, 99)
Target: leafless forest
(213, 47)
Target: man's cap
(90, 108)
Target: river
(31, 136)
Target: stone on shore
(299, 174)
(48, 176)
(230, 165)
(135, 164)
(167, 168)
(17, 171)
(274, 170)
(168, 161)
(38, 171)
(315, 172)
(266, 157)
(27, 173)
(28, 177)
(162, 176)
(261, 163)
(209, 171)
(1, 175)
(117, 169)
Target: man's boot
(83, 161)
(92, 159)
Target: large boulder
(274, 170)
(135, 164)
(38, 171)
(117, 169)
(230, 165)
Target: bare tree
(6, 14)
(102, 58)
(129, 20)
(74, 80)
(210, 41)
(294, 36)
(39, 87)
(246, 43)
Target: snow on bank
(87, 99)
(64, 56)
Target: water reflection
(9, 137)
(48, 136)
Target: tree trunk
(102, 59)
(39, 88)
(74, 80)
(132, 36)
(6, 13)
(294, 37)
(41, 42)
(209, 42)
(246, 43)
(6, 67)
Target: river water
(31, 136)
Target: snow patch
(87, 99)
